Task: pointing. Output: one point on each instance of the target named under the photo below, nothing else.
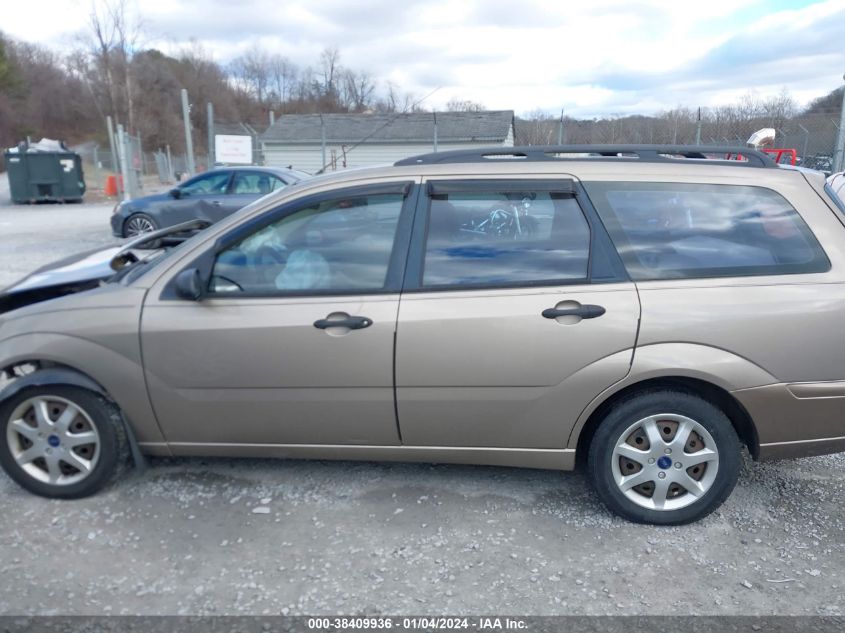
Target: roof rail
(687, 154)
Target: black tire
(113, 449)
(652, 403)
(138, 217)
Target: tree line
(110, 73)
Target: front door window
(338, 246)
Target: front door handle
(216, 203)
(586, 311)
(350, 322)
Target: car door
(202, 197)
(515, 314)
(294, 342)
(248, 186)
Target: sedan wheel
(138, 225)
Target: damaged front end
(88, 270)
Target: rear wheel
(138, 224)
(61, 441)
(665, 457)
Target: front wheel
(665, 457)
(61, 441)
(138, 224)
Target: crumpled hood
(80, 268)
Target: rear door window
(505, 237)
(676, 230)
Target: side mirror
(176, 192)
(189, 285)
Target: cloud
(592, 58)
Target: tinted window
(216, 182)
(256, 183)
(665, 230)
(506, 238)
(340, 245)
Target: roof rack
(687, 154)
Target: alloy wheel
(138, 225)
(665, 462)
(53, 440)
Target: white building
(360, 140)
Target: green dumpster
(45, 171)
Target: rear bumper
(797, 419)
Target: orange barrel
(111, 186)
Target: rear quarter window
(676, 231)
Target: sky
(590, 58)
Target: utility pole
(434, 114)
(210, 113)
(189, 143)
(839, 156)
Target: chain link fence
(813, 137)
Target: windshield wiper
(126, 256)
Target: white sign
(231, 149)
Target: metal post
(124, 163)
(806, 141)
(99, 179)
(839, 156)
(698, 129)
(189, 143)
(560, 130)
(211, 156)
(115, 165)
(434, 114)
(323, 140)
(170, 173)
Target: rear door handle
(216, 203)
(586, 311)
(351, 322)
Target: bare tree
(329, 69)
(283, 76)
(114, 36)
(253, 71)
(358, 89)
(463, 105)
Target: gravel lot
(199, 536)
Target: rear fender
(687, 360)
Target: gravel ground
(200, 536)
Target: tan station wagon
(643, 311)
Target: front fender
(51, 376)
(89, 365)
